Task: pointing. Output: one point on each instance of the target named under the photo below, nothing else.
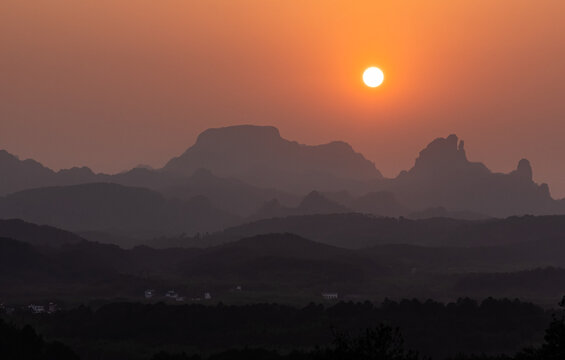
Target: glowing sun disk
(373, 77)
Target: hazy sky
(113, 83)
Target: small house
(329, 296)
(149, 293)
(36, 309)
(52, 308)
(172, 294)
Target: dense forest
(406, 330)
(137, 331)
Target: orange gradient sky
(113, 83)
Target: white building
(36, 309)
(207, 296)
(172, 294)
(329, 296)
(52, 307)
(149, 293)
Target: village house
(329, 296)
(52, 308)
(172, 294)
(36, 309)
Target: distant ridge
(260, 156)
(442, 176)
(251, 169)
(19, 174)
(118, 209)
(35, 234)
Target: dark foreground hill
(432, 328)
(275, 266)
(36, 234)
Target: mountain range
(42, 262)
(114, 208)
(241, 174)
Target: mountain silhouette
(26, 174)
(37, 234)
(280, 259)
(442, 176)
(260, 156)
(242, 169)
(441, 212)
(232, 195)
(313, 203)
(378, 203)
(355, 231)
(229, 194)
(115, 209)
(269, 261)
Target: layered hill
(283, 263)
(313, 203)
(356, 231)
(241, 169)
(26, 174)
(114, 208)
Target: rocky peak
(524, 169)
(442, 152)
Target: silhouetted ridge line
(259, 155)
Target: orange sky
(114, 83)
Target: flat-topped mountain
(260, 156)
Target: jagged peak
(443, 151)
(524, 169)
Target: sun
(373, 77)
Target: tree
(380, 343)
(554, 346)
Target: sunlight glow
(373, 77)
